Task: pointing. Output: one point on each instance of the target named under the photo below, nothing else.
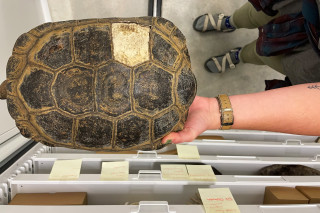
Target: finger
(186, 135)
(169, 138)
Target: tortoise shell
(101, 84)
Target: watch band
(226, 112)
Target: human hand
(203, 114)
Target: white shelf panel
(176, 208)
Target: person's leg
(248, 54)
(244, 17)
(248, 17)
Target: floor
(246, 78)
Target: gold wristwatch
(226, 112)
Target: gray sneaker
(216, 22)
(219, 64)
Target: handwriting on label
(188, 152)
(201, 172)
(65, 170)
(115, 170)
(174, 172)
(218, 200)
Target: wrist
(214, 112)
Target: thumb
(186, 135)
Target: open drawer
(246, 190)
(226, 165)
(243, 142)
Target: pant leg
(248, 17)
(248, 54)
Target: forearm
(291, 110)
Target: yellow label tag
(174, 172)
(115, 170)
(218, 200)
(66, 170)
(188, 152)
(201, 172)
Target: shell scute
(152, 89)
(92, 44)
(35, 88)
(113, 89)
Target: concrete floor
(246, 78)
